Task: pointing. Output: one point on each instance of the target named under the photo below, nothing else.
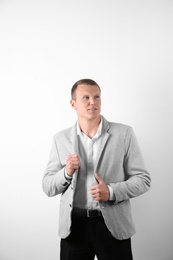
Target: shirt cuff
(111, 192)
(68, 178)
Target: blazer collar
(105, 128)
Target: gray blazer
(119, 163)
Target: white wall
(45, 46)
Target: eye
(97, 97)
(85, 98)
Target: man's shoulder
(119, 125)
(63, 133)
(116, 126)
(120, 128)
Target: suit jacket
(119, 163)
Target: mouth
(92, 109)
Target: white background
(46, 46)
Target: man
(97, 167)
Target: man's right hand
(72, 164)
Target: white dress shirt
(88, 148)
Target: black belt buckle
(93, 213)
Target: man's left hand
(100, 191)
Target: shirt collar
(98, 133)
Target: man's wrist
(68, 177)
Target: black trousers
(89, 237)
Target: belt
(88, 213)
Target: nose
(92, 100)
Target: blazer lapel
(105, 137)
(74, 140)
(100, 150)
(75, 150)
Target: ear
(73, 104)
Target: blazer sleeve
(138, 179)
(54, 181)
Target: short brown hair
(83, 82)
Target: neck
(89, 127)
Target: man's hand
(72, 164)
(100, 191)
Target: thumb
(98, 178)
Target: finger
(74, 155)
(94, 188)
(73, 160)
(94, 195)
(93, 191)
(98, 178)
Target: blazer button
(70, 205)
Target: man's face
(87, 102)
